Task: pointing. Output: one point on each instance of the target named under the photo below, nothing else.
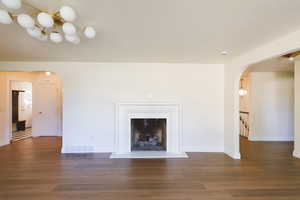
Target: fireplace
(148, 130)
(148, 134)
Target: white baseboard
(99, 149)
(202, 149)
(270, 139)
(86, 149)
(4, 144)
(296, 154)
(234, 155)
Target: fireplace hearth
(148, 134)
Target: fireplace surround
(140, 129)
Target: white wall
(272, 106)
(297, 107)
(92, 89)
(25, 100)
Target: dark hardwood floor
(34, 169)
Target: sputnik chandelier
(46, 26)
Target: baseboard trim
(271, 139)
(4, 144)
(85, 149)
(203, 149)
(233, 155)
(100, 149)
(296, 154)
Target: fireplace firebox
(148, 135)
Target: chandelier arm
(31, 6)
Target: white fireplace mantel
(127, 111)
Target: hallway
(33, 169)
(265, 151)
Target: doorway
(21, 101)
(34, 102)
(267, 109)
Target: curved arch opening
(266, 108)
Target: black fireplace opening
(148, 134)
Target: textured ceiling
(191, 31)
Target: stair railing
(244, 124)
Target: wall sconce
(242, 91)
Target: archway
(279, 47)
(267, 109)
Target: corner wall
(297, 108)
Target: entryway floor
(20, 135)
(34, 169)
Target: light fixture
(224, 53)
(56, 37)
(69, 29)
(291, 59)
(242, 91)
(67, 13)
(43, 37)
(34, 32)
(5, 17)
(44, 25)
(45, 20)
(90, 32)
(73, 39)
(48, 73)
(12, 4)
(25, 21)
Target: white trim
(4, 144)
(296, 154)
(206, 149)
(86, 149)
(270, 139)
(233, 155)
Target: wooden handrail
(244, 126)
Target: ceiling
(185, 31)
(278, 64)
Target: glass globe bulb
(90, 32)
(12, 4)
(34, 32)
(243, 92)
(73, 39)
(43, 37)
(69, 29)
(45, 20)
(56, 37)
(67, 13)
(48, 73)
(25, 21)
(5, 17)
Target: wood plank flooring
(33, 169)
